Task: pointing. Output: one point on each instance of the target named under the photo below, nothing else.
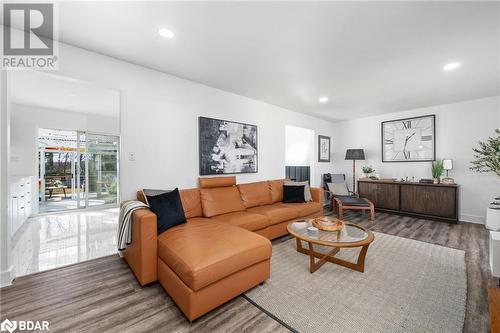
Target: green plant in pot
(487, 156)
(437, 170)
(367, 170)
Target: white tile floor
(60, 203)
(54, 240)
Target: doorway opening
(299, 152)
(77, 169)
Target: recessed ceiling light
(166, 33)
(323, 99)
(451, 66)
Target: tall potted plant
(487, 159)
(437, 171)
(487, 155)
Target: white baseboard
(478, 219)
(6, 277)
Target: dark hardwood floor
(102, 295)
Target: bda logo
(8, 325)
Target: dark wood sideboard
(435, 201)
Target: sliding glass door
(102, 169)
(77, 169)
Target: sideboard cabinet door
(384, 196)
(368, 191)
(388, 196)
(431, 200)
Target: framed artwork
(409, 140)
(323, 148)
(226, 147)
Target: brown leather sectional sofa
(223, 250)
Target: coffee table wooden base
(330, 257)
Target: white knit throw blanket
(125, 223)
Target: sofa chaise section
(204, 264)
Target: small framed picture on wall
(323, 148)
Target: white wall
(159, 122)
(6, 268)
(24, 125)
(459, 127)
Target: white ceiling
(368, 57)
(60, 93)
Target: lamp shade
(447, 164)
(355, 154)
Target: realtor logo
(8, 325)
(28, 36)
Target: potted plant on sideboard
(437, 171)
(367, 170)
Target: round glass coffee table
(351, 235)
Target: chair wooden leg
(372, 213)
(341, 213)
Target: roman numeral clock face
(411, 139)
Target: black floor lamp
(354, 154)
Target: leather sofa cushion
(211, 182)
(276, 187)
(204, 252)
(220, 200)
(191, 202)
(304, 209)
(245, 220)
(255, 194)
(197, 219)
(276, 213)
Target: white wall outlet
(131, 156)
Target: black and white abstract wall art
(226, 147)
(409, 139)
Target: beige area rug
(407, 286)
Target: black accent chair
(341, 198)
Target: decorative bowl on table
(327, 223)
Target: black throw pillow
(293, 193)
(168, 209)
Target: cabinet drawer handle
(14, 197)
(21, 207)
